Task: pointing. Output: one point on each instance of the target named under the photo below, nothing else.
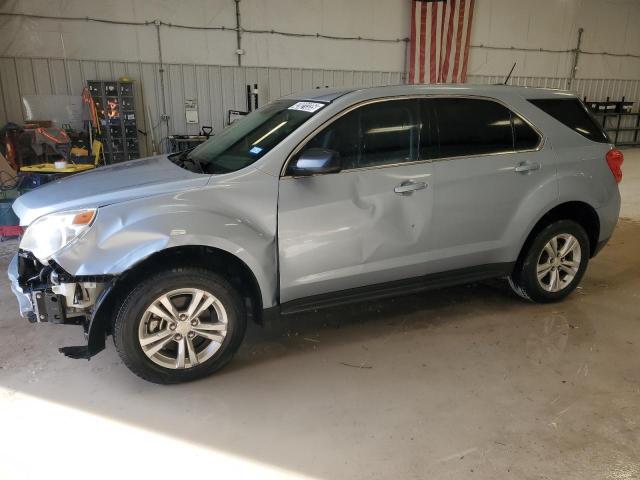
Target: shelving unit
(617, 118)
(622, 119)
(115, 103)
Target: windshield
(246, 140)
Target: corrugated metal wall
(216, 88)
(220, 88)
(593, 89)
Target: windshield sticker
(255, 150)
(307, 106)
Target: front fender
(126, 233)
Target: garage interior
(462, 382)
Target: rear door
(486, 162)
(369, 223)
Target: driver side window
(381, 133)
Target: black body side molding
(398, 287)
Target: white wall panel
(10, 90)
(28, 37)
(609, 25)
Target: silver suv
(314, 200)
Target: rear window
(572, 113)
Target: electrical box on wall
(191, 110)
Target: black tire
(524, 279)
(125, 331)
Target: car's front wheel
(179, 325)
(553, 264)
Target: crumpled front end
(80, 282)
(47, 293)
(24, 300)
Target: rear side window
(572, 113)
(472, 127)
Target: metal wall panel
(218, 89)
(592, 89)
(11, 92)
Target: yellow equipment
(96, 149)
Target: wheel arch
(578, 211)
(202, 256)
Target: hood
(107, 185)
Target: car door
(367, 224)
(486, 163)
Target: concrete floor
(467, 382)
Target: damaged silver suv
(316, 200)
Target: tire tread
(521, 280)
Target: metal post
(238, 35)
(163, 114)
(576, 55)
(405, 74)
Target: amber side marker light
(84, 218)
(614, 159)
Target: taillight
(614, 160)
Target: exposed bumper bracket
(49, 307)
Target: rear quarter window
(573, 114)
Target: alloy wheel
(183, 328)
(559, 262)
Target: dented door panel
(352, 229)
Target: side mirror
(315, 161)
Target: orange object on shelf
(93, 110)
(54, 135)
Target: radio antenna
(510, 72)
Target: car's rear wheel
(554, 263)
(179, 325)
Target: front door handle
(408, 187)
(527, 167)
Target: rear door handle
(527, 167)
(408, 187)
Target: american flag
(439, 43)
